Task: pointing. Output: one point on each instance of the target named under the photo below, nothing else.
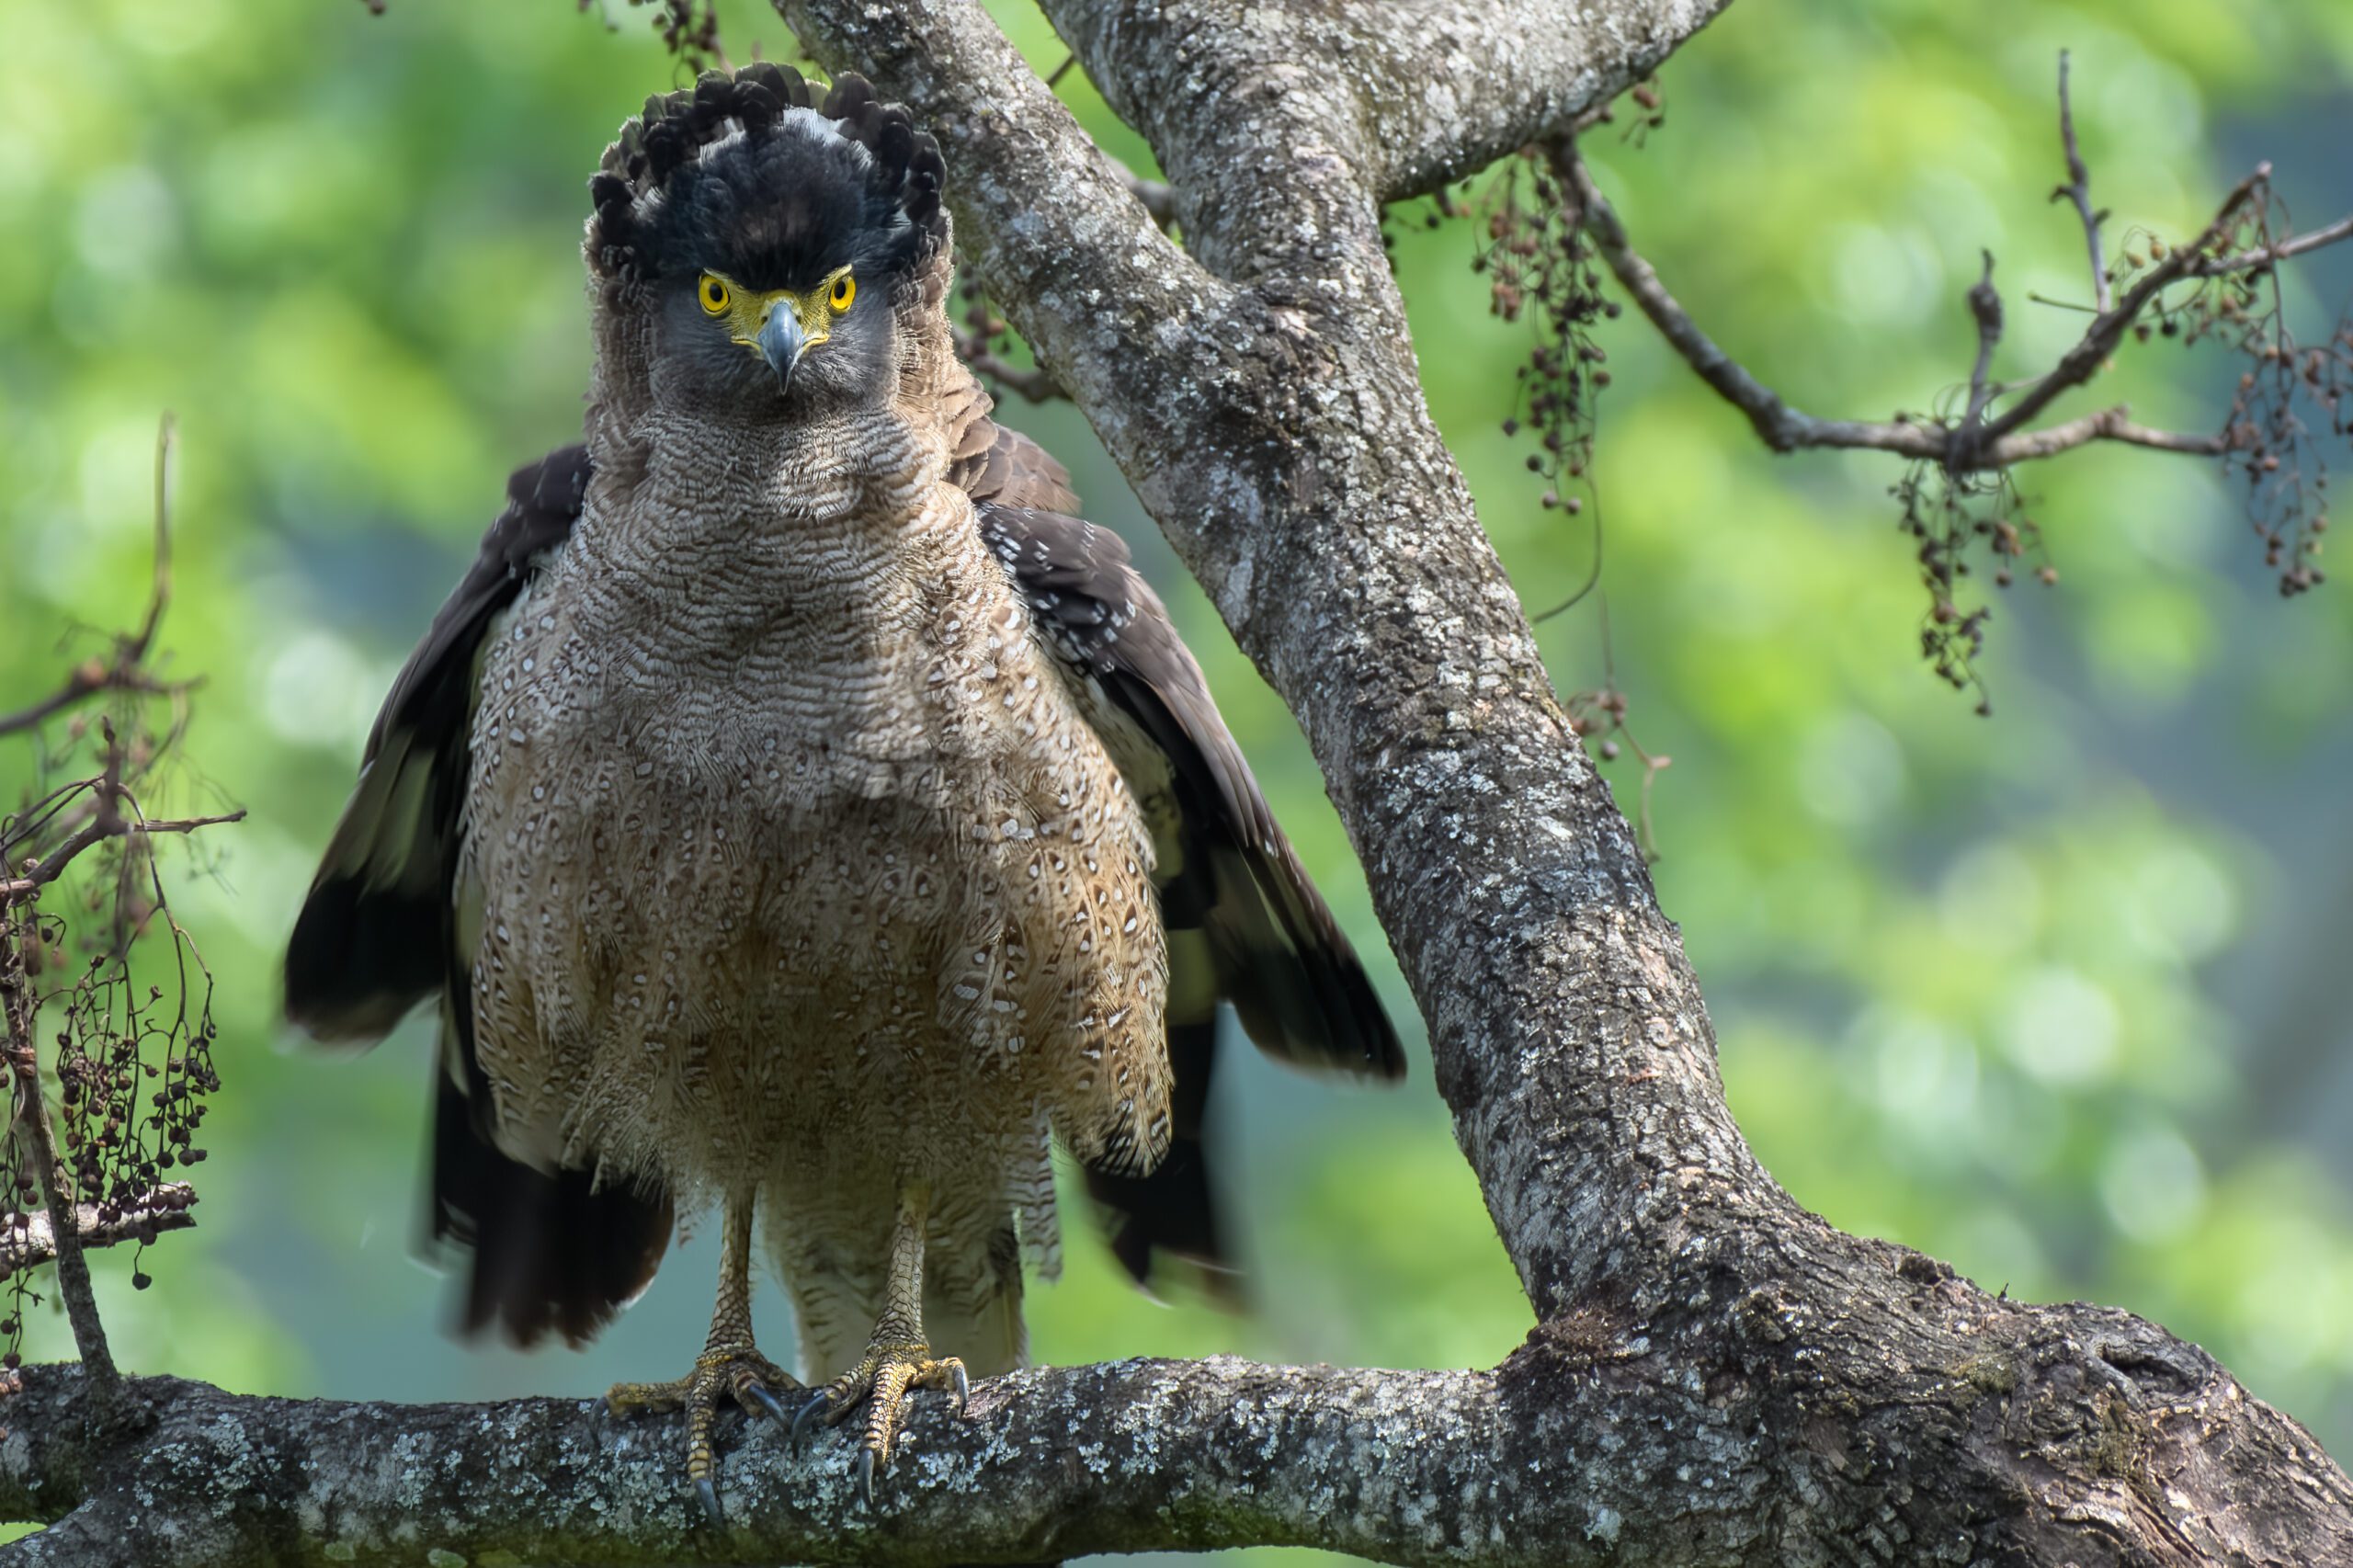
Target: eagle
(799, 810)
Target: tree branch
(1593, 1444)
(2079, 186)
(1785, 429)
(2265, 256)
(106, 823)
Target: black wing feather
(1282, 958)
(378, 935)
(1230, 878)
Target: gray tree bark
(1717, 1375)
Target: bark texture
(1717, 1375)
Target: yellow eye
(714, 294)
(845, 289)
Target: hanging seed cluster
(123, 1010)
(2288, 397)
(690, 29)
(134, 1068)
(1950, 516)
(1540, 269)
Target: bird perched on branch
(797, 809)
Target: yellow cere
(747, 312)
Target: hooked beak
(782, 342)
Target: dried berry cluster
(690, 29)
(1541, 269)
(120, 997)
(2289, 393)
(1949, 515)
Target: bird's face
(777, 351)
(780, 264)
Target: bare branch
(2079, 186)
(1159, 200)
(2265, 256)
(163, 1208)
(2108, 424)
(1788, 430)
(105, 824)
(1985, 308)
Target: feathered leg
(730, 1362)
(897, 1357)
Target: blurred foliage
(2057, 995)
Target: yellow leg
(730, 1363)
(897, 1359)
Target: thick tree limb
(1558, 1457)
(1717, 1375)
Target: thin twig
(2264, 255)
(31, 1108)
(159, 591)
(1985, 308)
(103, 825)
(2079, 186)
(1788, 430)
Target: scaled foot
(881, 1382)
(739, 1371)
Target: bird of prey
(798, 807)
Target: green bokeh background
(2058, 996)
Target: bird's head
(772, 246)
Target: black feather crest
(776, 206)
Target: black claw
(710, 1495)
(768, 1402)
(963, 1389)
(801, 1419)
(866, 1473)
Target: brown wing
(1246, 923)
(380, 933)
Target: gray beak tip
(782, 342)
